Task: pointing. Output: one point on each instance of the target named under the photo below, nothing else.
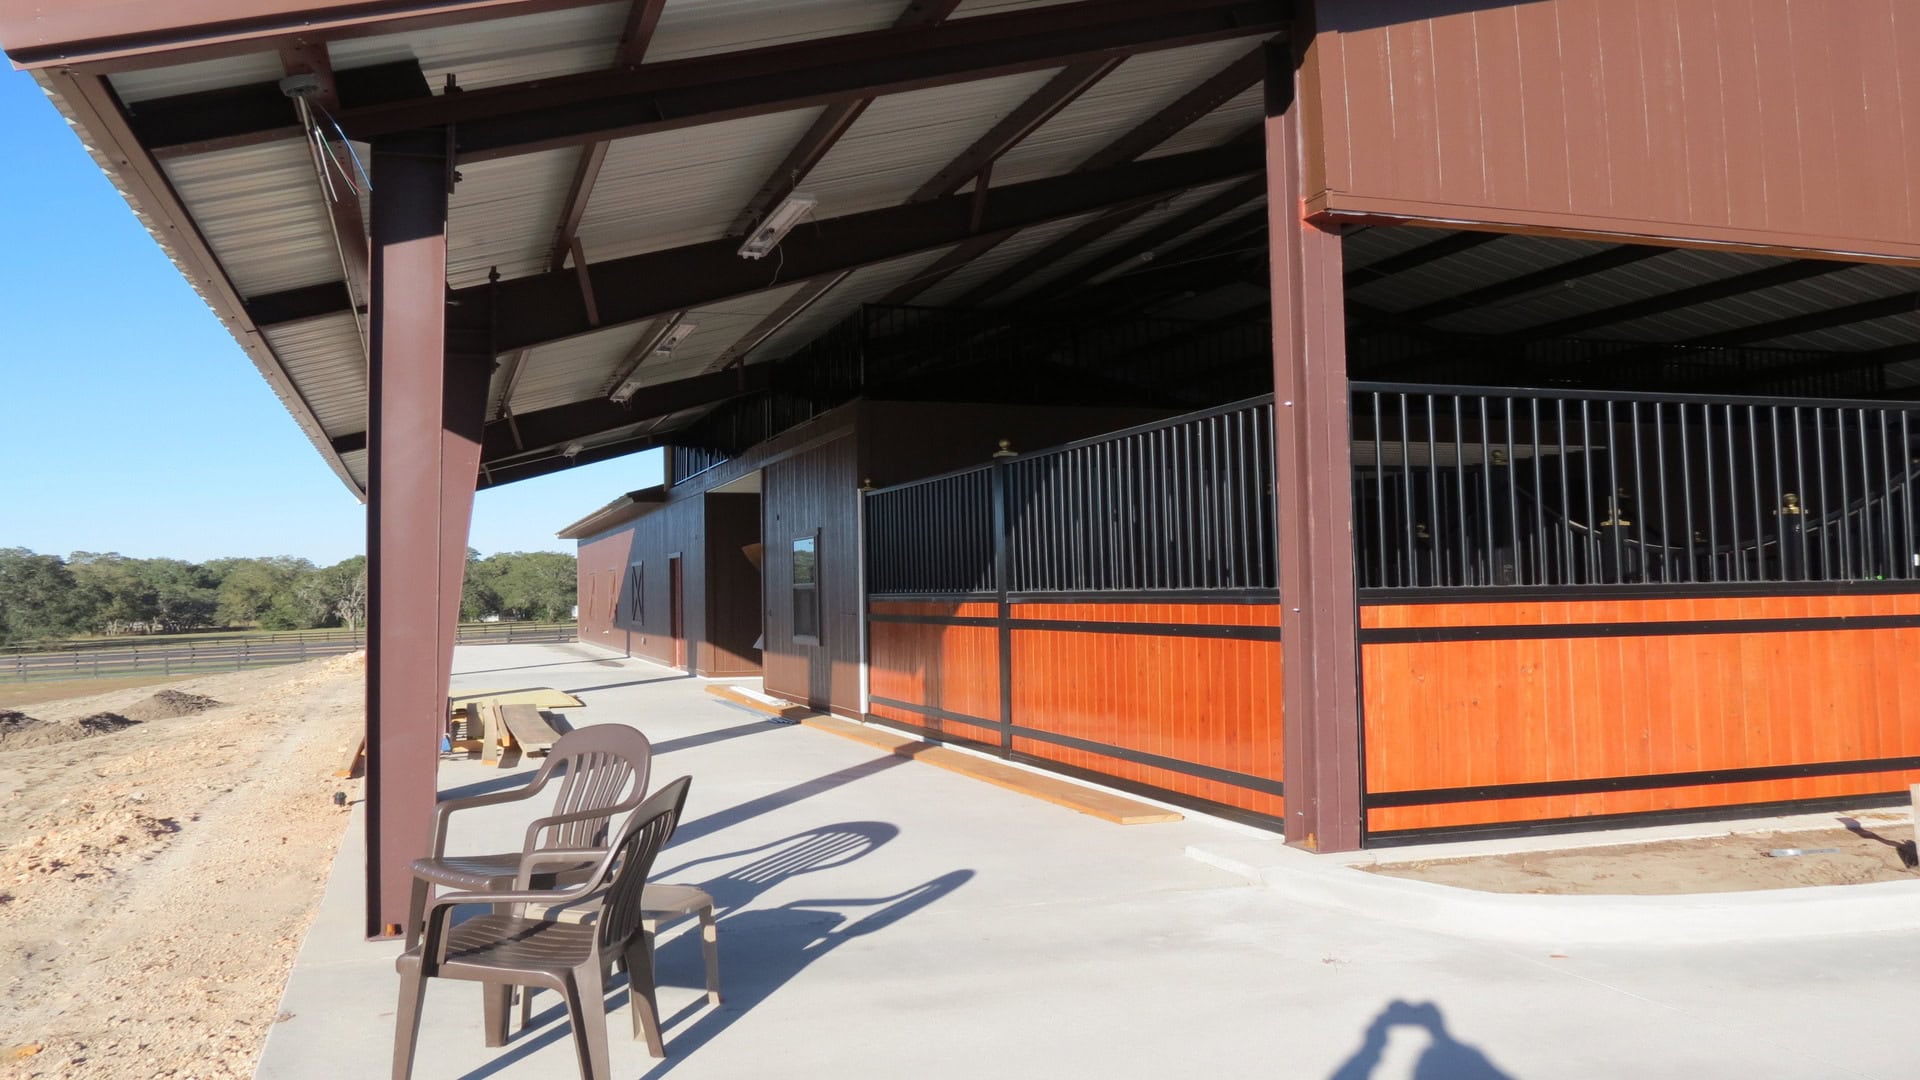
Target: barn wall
(814, 491)
(607, 616)
(1770, 124)
(1487, 713)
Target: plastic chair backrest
(646, 832)
(598, 763)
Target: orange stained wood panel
(1212, 702)
(953, 668)
(1769, 124)
(1471, 713)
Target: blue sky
(130, 421)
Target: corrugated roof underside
(864, 286)
(1166, 211)
(903, 140)
(718, 327)
(576, 369)
(324, 358)
(260, 208)
(684, 187)
(1140, 87)
(701, 27)
(1000, 257)
(505, 214)
(493, 52)
(134, 87)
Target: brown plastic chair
(662, 905)
(595, 764)
(513, 950)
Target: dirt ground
(18, 695)
(1878, 847)
(157, 877)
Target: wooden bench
(528, 727)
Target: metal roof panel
(684, 187)
(260, 209)
(903, 140)
(505, 213)
(325, 359)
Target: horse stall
(1575, 608)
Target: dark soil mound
(104, 723)
(168, 704)
(11, 721)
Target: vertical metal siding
(1755, 122)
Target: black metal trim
(1220, 596)
(1136, 596)
(933, 711)
(1569, 394)
(1603, 822)
(1180, 630)
(1082, 626)
(1551, 788)
(1411, 635)
(1119, 753)
(934, 620)
(1261, 784)
(1506, 594)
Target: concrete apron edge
(1526, 919)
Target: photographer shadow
(1445, 1058)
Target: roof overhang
(618, 512)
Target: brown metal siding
(813, 491)
(1768, 124)
(606, 605)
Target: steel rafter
(580, 109)
(548, 307)
(974, 163)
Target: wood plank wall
(1771, 124)
(814, 490)
(1178, 698)
(1609, 706)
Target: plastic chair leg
(640, 994)
(587, 1009)
(406, 1024)
(710, 948)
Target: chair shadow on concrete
(1445, 1058)
(761, 951)
(773, 945)
(1909, 856)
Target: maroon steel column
(426, 408)
(1318, 618)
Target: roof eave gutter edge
(70, 38)
(83, 100)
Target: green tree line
(46, 596)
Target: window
(806, 589)
(636, 592)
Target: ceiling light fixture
(774, 227)
(673, 338)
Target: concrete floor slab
(886, 919)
